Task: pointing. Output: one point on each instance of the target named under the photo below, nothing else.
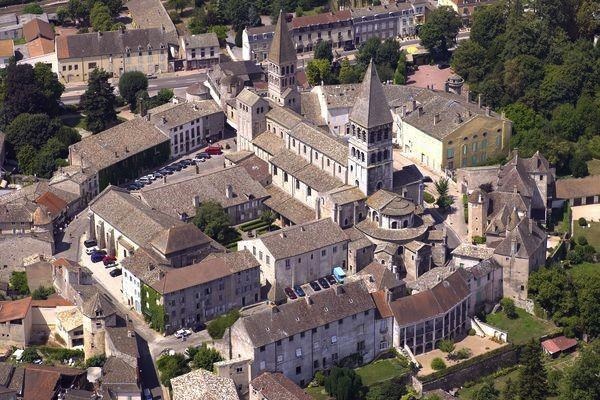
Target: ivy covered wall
(152, 309)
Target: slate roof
(202, 384)
(214, 267)
(248, 97)
(113, 42)
(379, 277)
(431, 303)
(322, 141)
(528, 237)
(282, 49)
(407, 175)
(98, 305)
(276, 386)
(346, 194)
(289, 207)
(284, 116)
(202, 40)
(389, 203)
(177, 198)
(571, 188)
(321, 19)
(327, 306)
(118, 371)
(117, 143)
(14, 309)
(304, 238)
(480, 252)
(124, 340)
(130, 216)
(303, 170)
(371, 109)
(170, 115)
(179, 238)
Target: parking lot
(101, 274)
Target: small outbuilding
(560, 344)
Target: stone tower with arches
(370, 160)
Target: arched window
(386, 154)
(379, 156)
(405, 223)
(356, 183)
(373, 156)
(353, 152)
(394, 225)
(379, 185)
(379, 136)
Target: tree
(18, 282)
(580, 380)
(487, 391)
(400, 73)
(95, 361)
(488, 24)
(42, 293)
(130, 84)
(437, 364)
(319, 71)
(78, 10)
(466, 61)
(26, 158)
(532, 383)
(323, 51)
(212, 219)
(510, 391)
(442, 188)
(352, 74)
(49, 85)
(178, 5)
(521, 73)
(439, 32)
(221, 32)
(589, 307)
(446, 345)
(579, 167)
(33, 8)
(508, 306)
(32, 129)
(391, 389)
(205, 358)
(30, 354)
(253, 17)
(267, 217)
(100, 17)
(344, 384)
(62, 13)
(171, 366)
(98, 102)
(114, 6)
(20, 92)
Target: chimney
(196, 201)
(421, 112)
(414, 105)
(388, 296)
(403, 110)
(99, 34)
(458, 118)
(302, 229)
(116, 155)
(195, 107)
(229, 192)
(282, 235)
(436, 118)
(126, 149)
(487, 111)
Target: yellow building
(145, 50)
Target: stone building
(200, 51)
(298, 254)
(275, 385)
(314, 333)
(98, 315)
(15, 322)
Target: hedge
(253, 225)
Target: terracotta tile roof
(52, 301)
(383, 307)
(7, 48)
(558, 344)
(15, 309)
(322, 141)
(389, 203)
(269, 142)
(321, 19)
(214, 267)
(276, 386)
(578, 187)
(37, 28)
(52, 203)
(41, 381)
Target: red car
(109, 259)
(290, 293)
(214, 150)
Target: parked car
(91, 250)
(339, 274)
(299, 291)
(187, 161)
(214, 150)
(199, 159)
(145, 180)
(323, 282)
(109, 259)
(182, 333)
(90, 243)
(139, 183)
(175, 166)
(331, 280)
(115, 272)
(315, 286)
(165, 171)
(147, 394)
(290, 293)
(132, 187)
(203, 154)
(98, 256)
(158, 175)
(111, 264)
(152, 177)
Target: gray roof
(201, 384)
(371, 109)
(145, 265)
(150, 14)
(248, 97)
(177, 198)
(527, 235)
(97, 306)
(388, 203)
(386, 10)
(170, 115)
(276, 386)
(289, 207)
(480, 252)
(327, 306)
(269, 142)
(116, 372)
(284, 116)
(379, 277)
(113, 42)
(118, 143)
(304, 238)
(124, 339)
(202, 40)
(314, 137)
(306, 172)
(179, 238)
(371, 229)
(130, 216)
(346, 194)
(407, 175)
(282, 49)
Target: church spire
(371, 108)
(282, 49)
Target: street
(176, 80)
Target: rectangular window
(279, 358)
(287, 264)
(450, 152)
(334, 339)
(299, 352)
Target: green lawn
(594, 167)
(499, 384)
(382, 370)
(592, 234)
(318, 393)
(522, 329)
(74, 120)
(585, 272)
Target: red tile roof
(53, 204)
(558, 344)
(16, 309)
(52, 301)
(37, 28)
(380, 299)
(40, 46)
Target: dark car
(175, 166)
(331, 279)
(109, 259)
(165, 171)
(290, 293)
(115, 272)
(315, 286)
(323, 282)
(133, 187)
(187, 161)
(443, 65)
(98, 256)
(203, 154)
(90, 243)
(299, 291)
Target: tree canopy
(130, 83)
(212, 219)
(98, 102)
(438, 33)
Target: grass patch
(318, 393)
(232, 246)
(74, 120)
(216, 328)
(523, 328)
(383, 370)
(594, 167)
(19, 41)
(591, 233)
(468, 393)
(585, 272)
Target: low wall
(490, 331)
(470, 370)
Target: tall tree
(29, 129)
(400, 73)
(319, 71)
(439, 32)
(100, 17)
(532, 383)
(442, 187)
(205, 358)
(130, 84)
(98, 102)
(178, 5)
(323, 51)
(21, 93)
(581, 379)
(212, 219)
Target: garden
(523, 328)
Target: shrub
(30, 354)
(95, 361)
(60, 354)
(472, 332)
(42, 293)
(508, 306)
(582, 221)
(446, 345)
(344, 383)
(478, 239)
(582, 240)
(206, 357)
(319, 378)
(18, 282)
(461, 354)
(438, 364)
(216, 328)
(428, 197)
